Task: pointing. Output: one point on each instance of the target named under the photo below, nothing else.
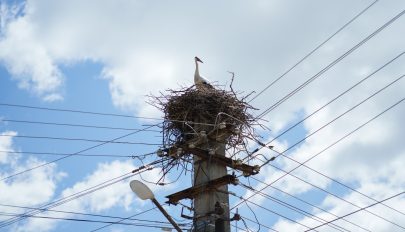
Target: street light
(143, 192)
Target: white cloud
(141, 52)
(26, 189)
(8, 13)
(6, 145)
(130, 81)
(29, 189)
(362, 218)
(368, 160)
(118, 195)
(28, 60)
(42, 190)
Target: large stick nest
(189, 110)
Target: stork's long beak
(198, 59)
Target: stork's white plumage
(199, 81)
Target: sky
(106, 56)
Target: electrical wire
(84, 192)
(301, 164)
(331, 101)
(338, 182)
(97, 113)
(336, 196)
(336, 118)
(344, 113)
(307, 82)
(293, 208)
(86, 155)
(78, 139)
(339, 116)
(328, 147)
(70, 155)
(261, 224)
(314, 50)
(60, 201)
(311, 205)
(236, 227)
(89, 220)
(254, 214)
(322, 107)
(244, 223)
(243, 200)
(79, 213)
(75, 111)
(116, 222)
(73, 125)
(356, 211)
(262, 145)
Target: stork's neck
(197, 72)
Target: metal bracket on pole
(235, 164)
(209, 186)
(247, 170)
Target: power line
(328, 147)
(334, 99)
(75, 111)
(80, 220)
(61, 201)
(86, 155)
(79, 213)
(320, 108)
(339, 116)
(74, 125)
(115, 222)
(78, 139)
(336, 118)
(358, 104)
(315, 49)
(356, 211)
(261, 224)
(246, 229)
(344, 113)
(246, 200)
(98, 113)
(336, 196)
(293, 208)
(84, 192)
(309, 204)
(338, 182)
(67, 156)
(157, 223)
(262, 145)
(307, 82)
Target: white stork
(199, 81)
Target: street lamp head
(141, 190)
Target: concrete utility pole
(210, 187)
(211, 207)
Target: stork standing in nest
(199, 81)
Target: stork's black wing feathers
(208, 85)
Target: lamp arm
(166, 214)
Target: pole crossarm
(212, 185)
(234, 164)
(247, 170)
